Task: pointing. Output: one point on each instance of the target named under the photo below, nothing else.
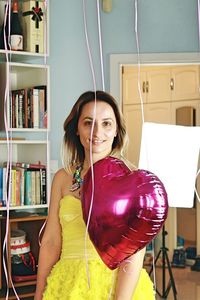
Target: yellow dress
(68, 279)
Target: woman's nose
(97, 130)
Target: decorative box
(33, 26)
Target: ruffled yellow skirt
(68, 281)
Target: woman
(62, 265)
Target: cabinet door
(190, 111)
(185, 82)
(158, 113)
(158, 84)
(130, 89)
(133, 119)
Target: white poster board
(171, 152)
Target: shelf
(23, 142)
(23, 292)
(22, 54)
(24, 207)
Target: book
(42, 89)
(35, 95)
(33, 191)
(43, 197)
(26, 165)
(22, 186)
(4, 186)
(1, 186)
(18, 187)
(37, 187)
(13, 188)
(28, 188)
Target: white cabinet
(185, 82)
(159, 84)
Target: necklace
(77, 180)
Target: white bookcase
(23, 144)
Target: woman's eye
(107, 124)
(88, 123)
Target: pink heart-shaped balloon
(128, 210)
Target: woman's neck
(95, 158)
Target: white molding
(118, 60)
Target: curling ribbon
(100, 46)
(9, 151)
(91, 134)
(142, 108)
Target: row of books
(28, 108)
(26, 182)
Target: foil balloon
(128, 210)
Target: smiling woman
(104, 130)
(61, 274)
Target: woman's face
(105, 129)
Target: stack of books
(26, 184)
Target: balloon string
(91, 135)
(138, 60)
(100, 45)
(45, 40)
(142, 112)
(9, 149)
(139, 78)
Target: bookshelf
(24, 147)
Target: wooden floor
(187, 283)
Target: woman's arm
(51, 241)
(128, 275)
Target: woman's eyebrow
(104, 119)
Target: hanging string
(142, 110)
(138, 60)
(91, 135)
(7, 96)
(100, 45)
(45, 41)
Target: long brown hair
(72, 149)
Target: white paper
(171, 152)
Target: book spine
(4, 187)
(22, 186)
(18, 182)
(43, 186)
(20, 110)
(33, 192)
(1, 186)
(28, 188)
(13, 195)
(29, 106)
(35, 108)
(37, 187)
(17, 110)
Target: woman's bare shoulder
(62, 174)
(62, 181)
